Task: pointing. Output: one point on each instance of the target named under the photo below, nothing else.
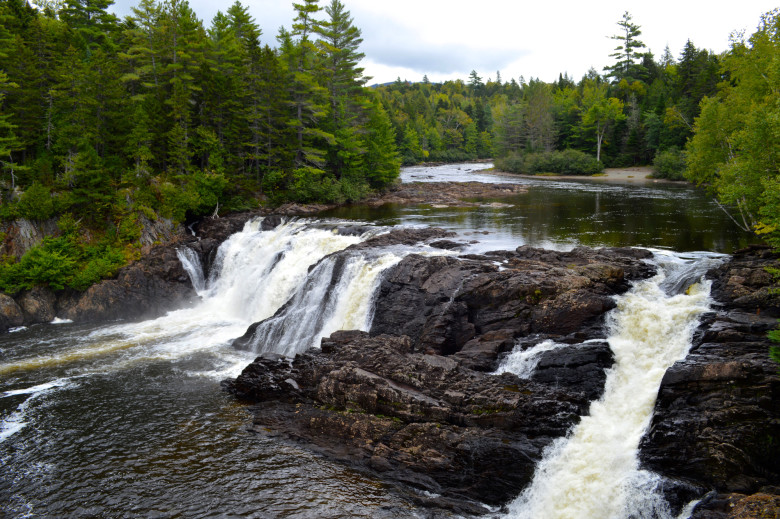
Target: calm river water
(128, 420)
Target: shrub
(669, 164)
(51, 263)
(36, 203)
(566, 162)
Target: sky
(447, 39)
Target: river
(128, 419)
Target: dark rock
(578, 367)
(447, 245)
(744, 283)
(416, 418)
(761, 505)
(403, 236)
(38, 305)
(146, 288)
(448, 304)
(10, 314)
(354, 230)
(411, 400)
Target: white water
(523, 362)
(254, 274)
(335, 297)
(594, 471)
(190, 261)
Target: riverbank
(628, 175)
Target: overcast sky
(446, 39)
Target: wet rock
(412, 401)
(744, 283)
(144, 289)
(448, 305)
(580, 367)
(10, 314)
(403, 236)
(416, 418)
(38, 305)
(761, 505)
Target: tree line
(638, 110)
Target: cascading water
(337, 295)
(594, 471)
(191, 264)
(523, 362)
(254, 274)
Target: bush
(566, 162)
(197, 194)
(50, 263)
(61, 262)
(669, 164)
(36, 203)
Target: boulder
(38, 305)
(144, 289)
(414, 399)
(11, 315)
(417, 418)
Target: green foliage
(669, 164)
(774, 351)
(735, 149)
(195, 195)
(36, 203)
(62, 262)
(567, 162)
(97, 262)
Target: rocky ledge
(444, 193)
(716, 428)
(415, 400)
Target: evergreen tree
(627, 52)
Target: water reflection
(563, 214)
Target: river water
(128, 420)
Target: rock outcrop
(477, 306)
(11, 315)
(717, 418)
(144, 289)
(412, 399)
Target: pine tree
(627, 53)
(183, 38)
(381, 163)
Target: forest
(107, 124)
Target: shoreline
(632, 174)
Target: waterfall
(594, 471)
(337, 295)
(255, 272)
(523, 362)
(191, 264)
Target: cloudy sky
(446, 39)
